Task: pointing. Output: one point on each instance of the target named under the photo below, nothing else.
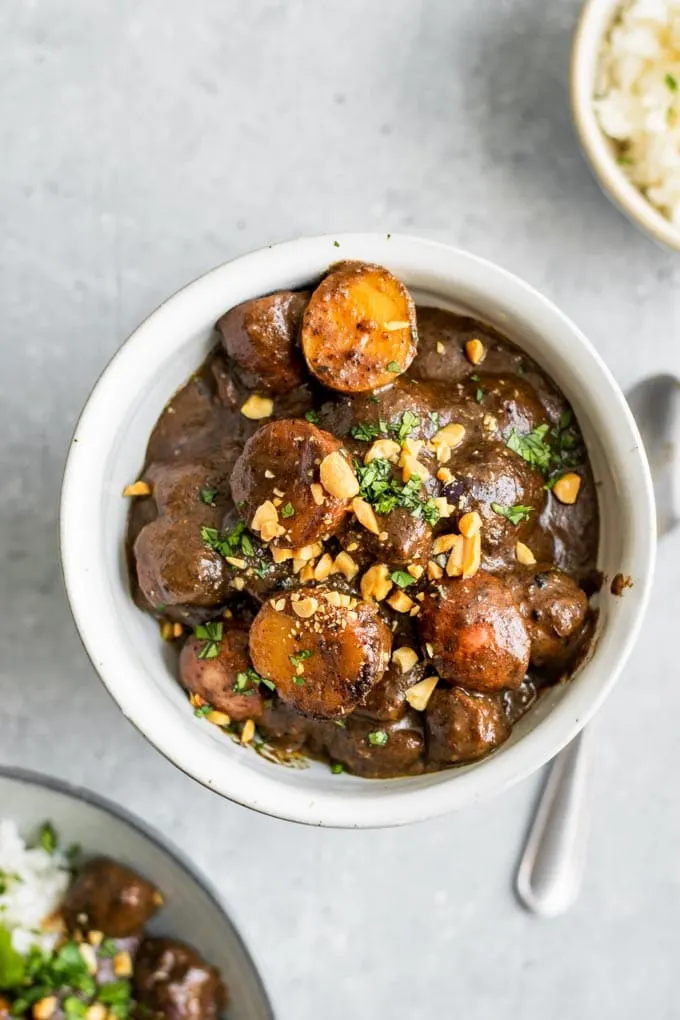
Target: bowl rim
(594, 20)
(392, 806)
(86, 796)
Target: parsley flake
(48, 838)
(287, 510)
(298, 681)
(531, 447)
(200, 712)
(402, 579)
(392, 366)
(385, 493)
(236, 541)
(337, 767)
(367, 432)
(479, 395)
(208, 496)
(211, 633)
(377, 738)
(671, 82)
(312, 417)
(514, 514)
(305, 653)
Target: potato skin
(261, 337)
(554, 610)
(214, 679)
(343, 651)
(477, 634)
(462, 726)
(344, 338)
(291, 450)
(176, 567)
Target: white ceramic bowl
(192, 911)
(593, 26)
(107, 453)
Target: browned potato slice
(554, 610)
(260, 336)
(324, 656)
(176, 567)
(474, 633)
(279, 465)
(464, 727)
(221, 680)
(359, 328)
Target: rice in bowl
(637, 98)
(33, 882)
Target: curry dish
(370, 528)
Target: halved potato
(359, 328)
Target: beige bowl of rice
(625, 94)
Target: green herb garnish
(211, 633)
(366, 433)
(12, 965)
(392, 366)
(48, 838)
(514, 514)
(479, 395)
(287, 510)
(305, 653)
(402, 579)
(531, 447)
(312, 417)
(377, 738)
(385, 492)
(208, 496)
(236, 541)
(298, 681)
(671, 82)
(108, 948)
(337, 767)
(409, 421)
(200, 713)
(250, 679)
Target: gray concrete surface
(142, 143)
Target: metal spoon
(551, 869)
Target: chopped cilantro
(341, 723)
(392, 366)
(211, 633)
(109, 948)
(48, 838)
(409, 421)
(208, 496)
(337, 767)
(298, 681)
(12, 965)
(385, 492)
(305, 653)
(401, 429)
(366, 433)
(476, 378)
(246, 682)
(479, 395)
(287, 510)
(72, 852)
(671, 82)
(377, 738)
(200, 713)
(434, 418)
(531, 446)
(514, 514)
(336, 244)
(312, 416)
(236, 541)
(402, 579)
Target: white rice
(637, 98)
(35, 882)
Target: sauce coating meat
(372, 527)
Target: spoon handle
(552, 865)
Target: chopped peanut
(122, 965)
(44, 1008)
(238, 583)
(470, 524)
(444, 543)
(415, 570)
(472, 554)
(137, 489)
(352, 547)
(475, 351)
(446, 439)
(346, 565)
(385, 449)
(324, 567)
(408, 461)
(396, 324)
(304, 607)
(279, 605)
(434, 571)
(365, 514)
(218, 718)
(524, 554)
(445, 476)
(268, 473)
(333, 598)
(443, 505)
(177, 630)
(95, 938)
(257, 407)
(440, 347)
(307, 573)
(317, 493)
(337, 476)
(376, 583)
(454, 564)
(266, 521)
(308, 552)
(567, 488)
(248, 731)
(405, 658)
(400, 602)
(166, 630)
(97, 1011)
(419, 695)
(281, 555)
